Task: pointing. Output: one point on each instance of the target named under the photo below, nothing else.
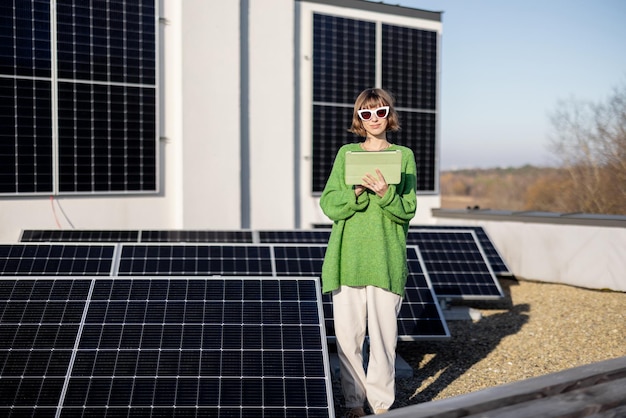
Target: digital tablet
(359, 163)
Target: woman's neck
(373, 143)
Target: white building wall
(209, 76)
(271, 116)
(204, 182)
(587, 256)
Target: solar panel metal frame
(497, 262)
(34, 384)
(438, 284)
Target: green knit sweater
(367, 245)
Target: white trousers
(355, 310)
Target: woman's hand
(377, 185)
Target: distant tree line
(589, 143)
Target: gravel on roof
(537, 329)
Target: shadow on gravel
(470, 342)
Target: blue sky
(507, 63)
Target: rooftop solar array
(318, 235)
(163, 327)
(420, 318)
(471, 259)
(456, 264)
(184, 346)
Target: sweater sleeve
(400, 202)
(338, 200)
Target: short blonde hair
(370, 98)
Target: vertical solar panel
(420, 315)
(107, 138)
(25, 38)
(56, 260)
(496, 261)
(75, 235)
(25, 136)
(344, 54)
(344, 58)
(344, 63)
(163, 347)
(409, 60)
(331, 123)
(107, 96)
(110, 41)
(456, 264)
(100, 134)
(419, 132)
(189, 259)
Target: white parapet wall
(579, 250)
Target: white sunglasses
(381, 113)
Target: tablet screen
(359, 163)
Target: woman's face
(374, 119)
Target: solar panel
(79, 95)
(107, 122)
(74, 235)
(498, 265)
(345, 52)
(420, 315)
(277, 260)
(295, 236)
(197, 236)
(195, 259)
(39, 323)
(56, 259)
(184, 346)
(456, 264)
(27, 98)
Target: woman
(365, 264)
